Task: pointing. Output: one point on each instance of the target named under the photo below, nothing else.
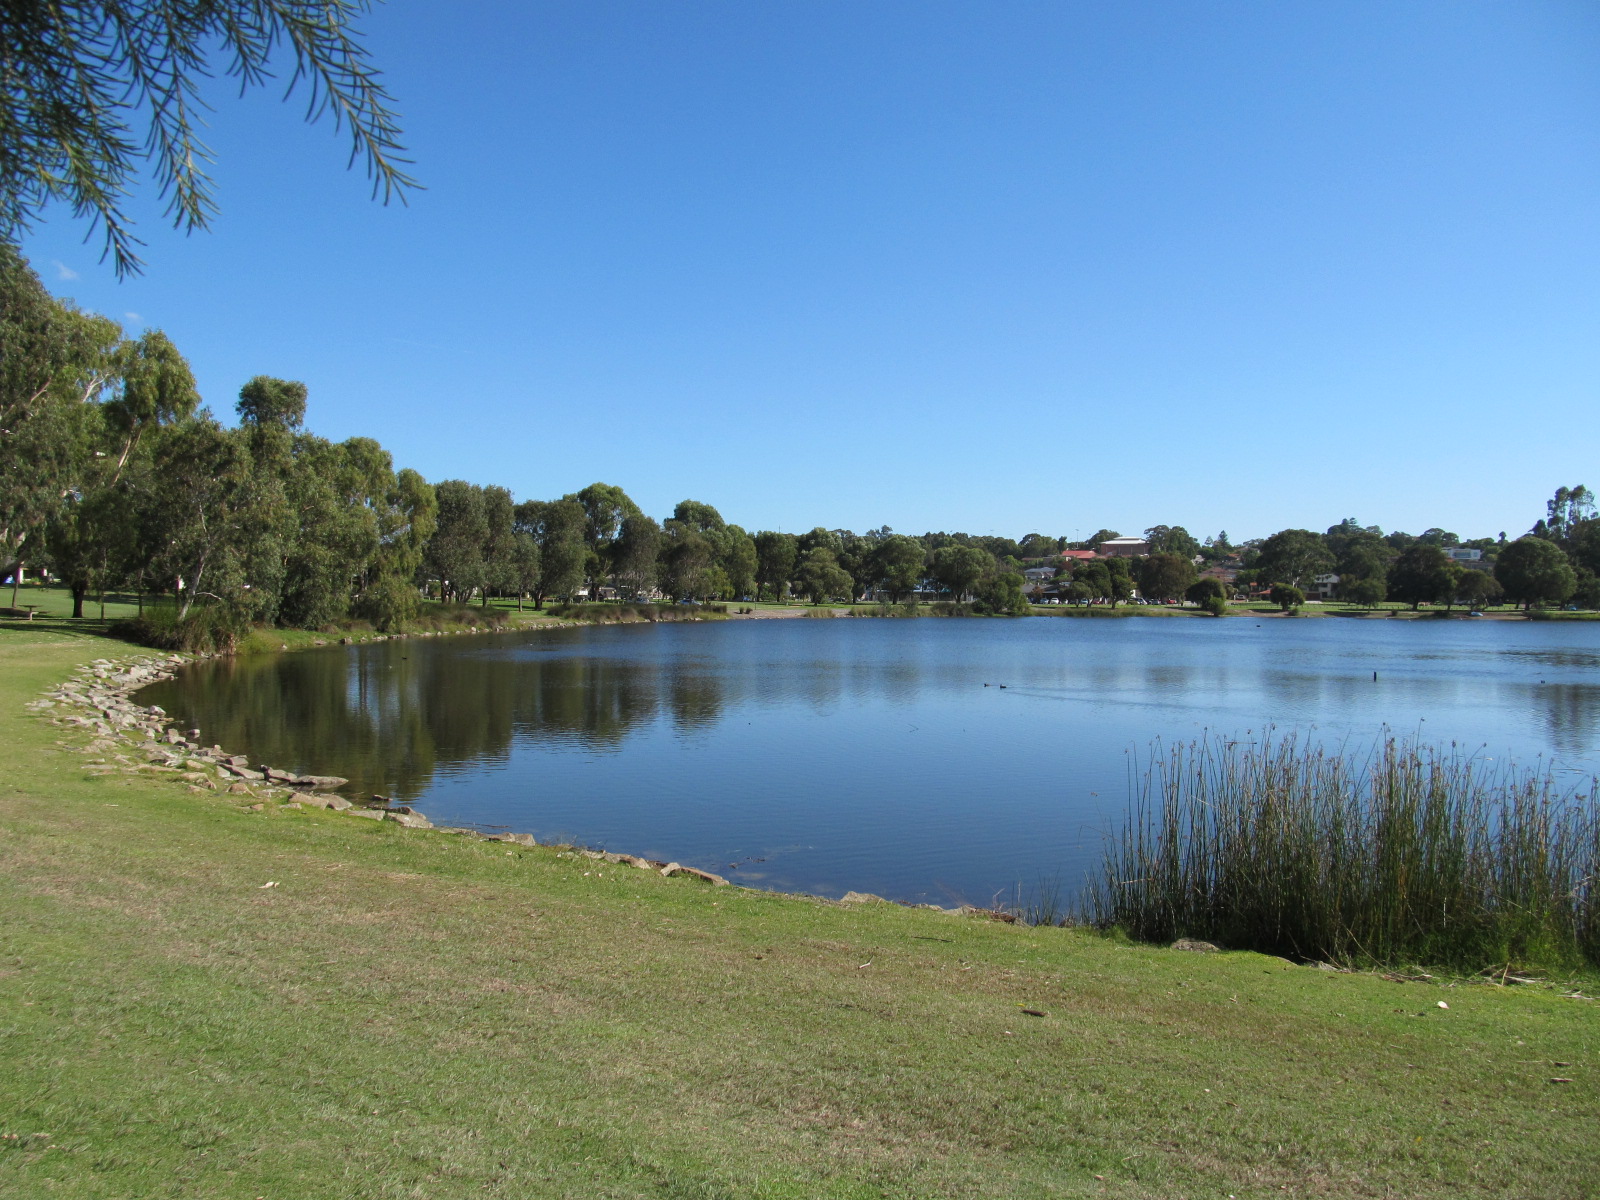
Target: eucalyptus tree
(55, 361)
(271, 412)
(737, 559)
(559, 529)
(92, 537)
(1368, 591)
(820, 578)
(899, 564)
(701, 518)
(1568, 508)
(1172, 539)
(1534, 571)
(1040, 545)
(1359, 553)
(635, 553)
(1001, 595)
(687, 559)
(153, 386)
(959, 568)
(336, 495)
(776, 556)
(1292, 556)
(605, 508)
(455, 552)
(499, 542)
(1092, 580)
(1478, 588)
(99, 91)
(1166, 576)
(1119, 580)
(821, 539)
(198, 513)
(1583, 544)
(407, 517)
(525, 564)
(1423, 574)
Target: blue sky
(982, 266)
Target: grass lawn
(412, 1014)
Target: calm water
(825, 756)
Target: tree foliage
(1165, 576)
(1292, 556)
(97, 91)
(1423, 574)
(1535, 572)
(1286, 596)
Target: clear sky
(999, 267)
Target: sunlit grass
(416, 1014)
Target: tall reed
(1407, 854)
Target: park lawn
(52, 601)
(411, 1014)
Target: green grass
(416, 1015)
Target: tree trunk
(79, 590)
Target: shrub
(1286, 597)
(452, 614)
(207, 629)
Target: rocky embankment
(142, 739)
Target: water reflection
(390, 717)
(923, 760)
(1571, 715)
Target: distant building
(1462, 555)
(1322, 587)
(1125, 547)
(1078, 555)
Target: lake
(926, 760)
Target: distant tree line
(114, 476)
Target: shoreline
(142, 740)
(97, 698)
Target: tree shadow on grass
(61, 627)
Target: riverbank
(407, 1012)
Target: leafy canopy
(96, 92)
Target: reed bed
(1406, 854)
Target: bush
(601, 612)
(208, 629)
(452, 614)
(389, 604)
(1286, 597)
(1001, 595)
(1215, 605)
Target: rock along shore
(141, 739)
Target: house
(1125, 547)
(1072, 556)
(1322, 587)
(1039, 574)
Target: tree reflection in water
(389, 716)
